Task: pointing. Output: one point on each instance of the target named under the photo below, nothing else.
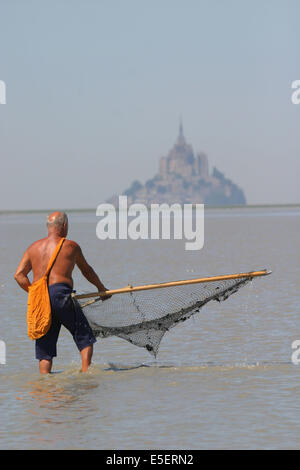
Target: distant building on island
(184, 177)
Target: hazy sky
(95, 90)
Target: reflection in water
(48, 395)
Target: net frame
(147, 330)
(129, 288)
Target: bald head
(58, 222)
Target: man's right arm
(88, 272)
(22, 271)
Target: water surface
(223, 379)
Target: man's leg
(86, 357)
(45, 366)
(45, 347)
(72, 317)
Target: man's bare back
(40, 252)
(38, 255)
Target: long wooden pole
(129, 289)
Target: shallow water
(223, 379)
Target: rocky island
(184, 177)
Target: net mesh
(143, 317)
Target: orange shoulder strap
(53, 257)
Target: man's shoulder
(37, 244)
(71, 244)
(43, 241)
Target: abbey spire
(180, 139)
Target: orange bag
(38, 305)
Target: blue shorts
(67, 312)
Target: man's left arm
(22, 271)
(89, 273)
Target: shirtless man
(60, 282)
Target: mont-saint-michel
(184, 177)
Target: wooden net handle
(129, 289)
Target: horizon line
(88, 209)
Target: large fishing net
(143, 317)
